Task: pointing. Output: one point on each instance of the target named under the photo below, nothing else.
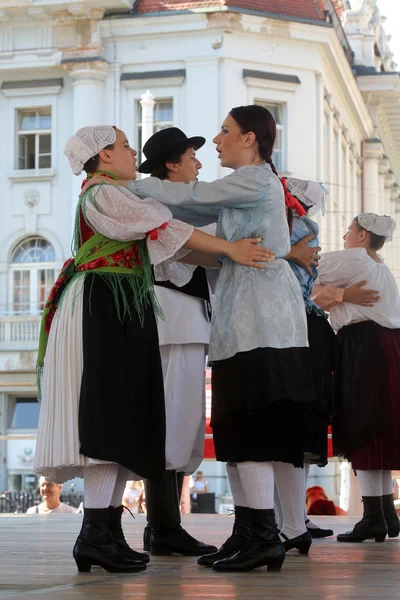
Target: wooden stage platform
(36, 562)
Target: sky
(391, 9)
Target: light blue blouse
(303, 226)
(253, 308)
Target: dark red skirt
(367, 420)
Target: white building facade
(66, 65)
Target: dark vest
(197, 286)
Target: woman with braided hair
(99, 349)
(261, 376)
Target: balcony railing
(19, 332)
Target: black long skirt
(259, 405)
(121, 410)
(366, 424)
(323, 350)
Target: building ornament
(31, 198)
(367, 22)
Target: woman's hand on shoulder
(356, 295)
(247, 252)
(304, 255)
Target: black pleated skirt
(121, 410)
(366, 423)
(323, 350)
(259, 405)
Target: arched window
(32, 272)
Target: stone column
(384, 166)
(373, 155)
(88, 76)
(88, 85)
(392, 248)
(147, 101)
(3, 443)
(327, 223)
(354, 208)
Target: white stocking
(291, 485)
(387, 483)
(120, 484)
(239, 497)
(99, 481)
(258, 483)
(310, 524)
(370, 482)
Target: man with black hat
(184, 337)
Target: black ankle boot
(317, 532)
(118, 535)
(302, 542)
(240, 534)
(96, 546)
(391, 516)
(263, 547)
(164, 517)
(372, 525)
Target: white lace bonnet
(86, 143)
(379, 224)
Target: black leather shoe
(302, 542)
(263, 548)
(177, 541)
(372, 525)
(96, 546)
(391, 516)
(118, 535)
(318, 533)
(240, 534)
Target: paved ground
(36, 561)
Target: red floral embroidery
(126, 258)
(94, 264)
(117, 257)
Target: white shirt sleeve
(340, 267)
(120, 215)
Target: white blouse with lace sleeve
(120, 215)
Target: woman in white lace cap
(102, 412)
(366, 424)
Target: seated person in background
(133, 496)
(317, 500)
(200, 485)
(322, 507)
(50, 493)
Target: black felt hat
(162, 144)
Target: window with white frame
(32, 275)
(163, 118)
(277, 111)
(34, 138)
